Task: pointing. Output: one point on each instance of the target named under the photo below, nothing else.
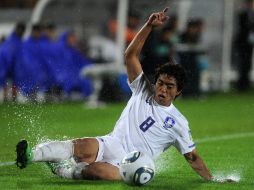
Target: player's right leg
(98, 158)
(84, 149)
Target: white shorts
(110, 151)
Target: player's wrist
(212, 179)
(209, 178)
(149, 24)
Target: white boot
(67, 169)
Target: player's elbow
(191, 157)
(129, 54)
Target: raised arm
(132, 53)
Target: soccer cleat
(53, 166)
(67, 169)
(56, 166)
(24, 154)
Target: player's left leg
(101, 170)
(67, 169)
(97, 163)
(94, 171)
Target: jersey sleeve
(139, 84)
(184, 142)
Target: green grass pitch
(222, 126)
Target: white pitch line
(225, 137)
(6, 163)
(202, 140)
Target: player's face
(165, 90)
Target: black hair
(249, 1)
(36, 27)
(171, 23)
(174, 70)
(49, 26)
(134, 14)
(20, 28)
(195, 22)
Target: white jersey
(146, 126)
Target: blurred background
(64, 50)
(57, 55)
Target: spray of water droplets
(221, 176)
(25, 121)
(163, 163)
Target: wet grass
(215, 116)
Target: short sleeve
(184, 142)
(138, 84)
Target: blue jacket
(8, 58)
(69, 64)
(49, 52)
(31, 69)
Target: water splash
(23, 121)
(46, 139)
(163, 163)
(221, 177)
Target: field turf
(222, 126)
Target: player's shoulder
(179, 117)
(141, 85)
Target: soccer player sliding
(150, 123)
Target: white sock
(71, 171)
(54, 151)
(77, 172)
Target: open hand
(226, 180)
(158, 19)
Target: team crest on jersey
(169, 122)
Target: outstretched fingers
(162, 14)
(165, 9)
(158, 18)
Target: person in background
(131, 29)
(159, 48)
(69, 64)
(49, 53)
(8, 60)
(164, 49)
(193, 31)
(191, 56)
(2, 40)
(30, 69)
(243, 44)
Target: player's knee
(86, 149)
(91, 173)
(113, 175)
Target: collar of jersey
(163, 107)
